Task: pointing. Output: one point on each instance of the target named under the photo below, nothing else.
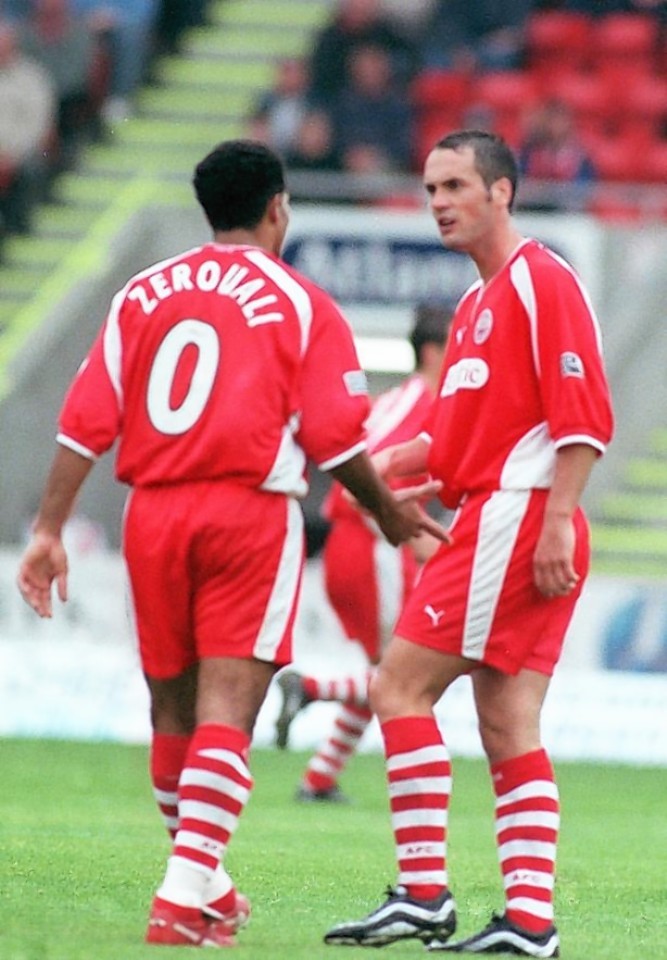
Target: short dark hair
(493, 157)
(431, 325)
(235, 182)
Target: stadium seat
(654, 164)
(557, 38)
(431, 128)
(434, 89)
(509, 91)
(640, 108)
(585, 94)
(616, 159)
(625, 37)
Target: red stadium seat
(640, 108)
(617, 159)
(509, 91)
(558, 38)
(625, 35)
(586, 95)
(655, 163)
(440, 88)
(431, 128)
(623, 39)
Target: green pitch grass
(82, 849)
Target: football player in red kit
(218, 373)
(522, 413)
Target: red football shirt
(396, 415)
(522, 376)
(223, 362)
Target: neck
(494, 253)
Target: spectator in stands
(127, 30)
(314, 146)
(63, 43)
(485, 35)
(27, 122)
(552, 150)
(373, 122)
(174, 18)
(409, 18)
(356, 23)
(278, 115)
(600, 8)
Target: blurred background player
(244, 371)
(365, 578)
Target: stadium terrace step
(64, 222)
(16, 285)
(624, 566)
(208, 74)
(658, 444)
(86, 193)
(188, 102)
(266, 42)
(648, 473)
(641, 508)
(630, 541)
(307, 14)
(34, 253)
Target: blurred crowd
(353, 104)
(69, 68)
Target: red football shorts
(366, 580)
(477, 598)
(215, 571)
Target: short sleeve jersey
(523, 375)
(397, 415)
(220, 363)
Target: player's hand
(408, 518)
(553, 562)
(44, 561)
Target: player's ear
(276, 207)
(501, 192)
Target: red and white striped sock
(350, 690)
(326, 765)
(168, 753)
(420, 780)
(527, 822)
(214, 788)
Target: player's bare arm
(45, 558)
(403, 459)
(555, 574)
(399, 520)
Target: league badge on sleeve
(571, 365)
(356, 383)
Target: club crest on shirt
(483, 327)
(571, 365)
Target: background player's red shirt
(523, 375)
(396, 415)
(222, 362)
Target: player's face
(463, 206)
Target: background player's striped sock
(350, 689)
(213, 791)
(328, 762)
(527, 822)
(420, 780)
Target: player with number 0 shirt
(218, 373)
